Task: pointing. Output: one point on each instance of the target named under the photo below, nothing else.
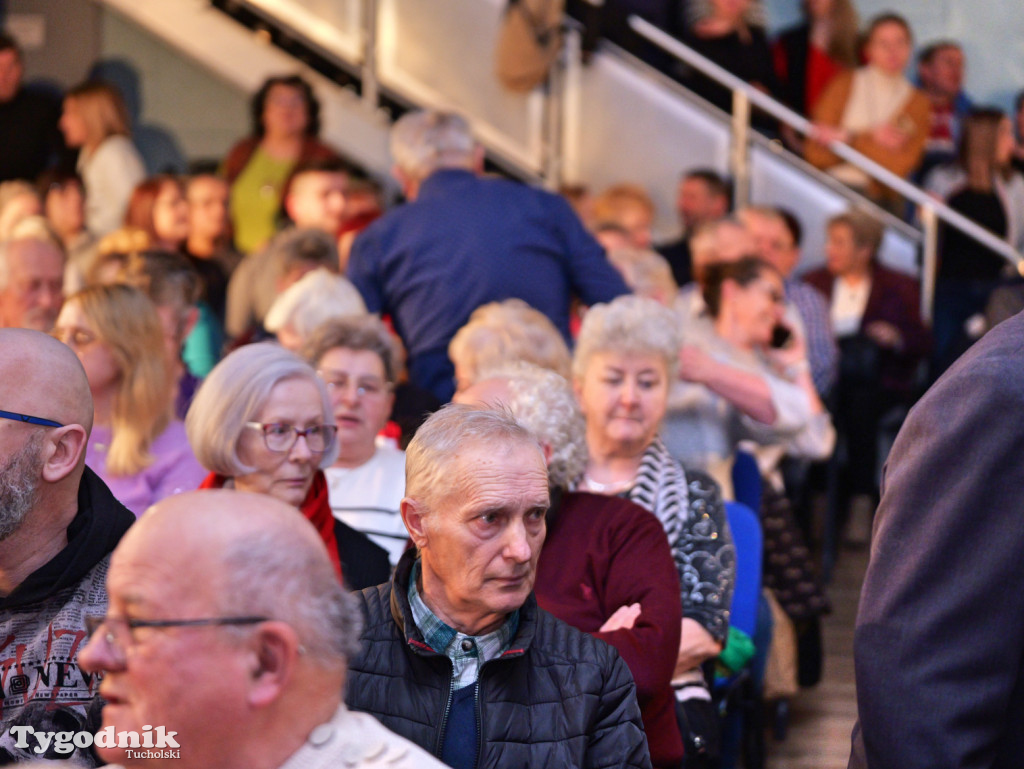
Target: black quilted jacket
(556, 698)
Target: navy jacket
(466, 241)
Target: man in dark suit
(940, 634)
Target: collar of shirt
(466, 652)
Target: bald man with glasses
(58, 525)
(226, 641)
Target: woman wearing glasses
(358, 360)
(262, 422)
(136, 445)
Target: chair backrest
(746, 480)
(747, 537)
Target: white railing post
(368, 73)
(930, 263)
(739, 153)
(571, 106)
(554, 109)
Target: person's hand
(695, 365)
(826, 134)
(695, 646)
(885, 334)
(623, 617)
(889, 137)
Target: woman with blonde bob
(96, 121)
(136, 446)
(499, 333)
(262, 422)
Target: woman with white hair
(606, 567)
(317, 297)
(499, 333)
(625, 360)
(262, 422)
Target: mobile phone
(781, 336)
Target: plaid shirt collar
(466, 652)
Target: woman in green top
(286, 123)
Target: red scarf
(315, 507)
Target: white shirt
(109, 174)
(368, 498)
(848, 304)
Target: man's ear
(548, 452)
(62, 451)
(413, 515)
(410, 187)
(275, 650)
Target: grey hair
(645, 271)
(446, 433)
(426, 140)
(366, 332)
(292, 582)
(296, 246)
(316, 297)
(30, 228)
(501, 333)
(627, 325)
(543, 402)
(233, 394)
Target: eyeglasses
(364, 387)
(281, 436)
(28, 419)
(118, 635)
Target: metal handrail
(800, 123)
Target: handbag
(529, 39)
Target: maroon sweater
(605, 552)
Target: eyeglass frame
(296, 434)
(14, 416)
(93, 622)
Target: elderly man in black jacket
(456, 655)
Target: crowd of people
(501, 418)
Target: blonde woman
(96, 121)
(136, 446)
(500, 333)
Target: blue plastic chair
(745, 525)
(746, 480)
(739, 695)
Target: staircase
(614, 119)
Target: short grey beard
(19, 486)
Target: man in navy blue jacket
(465, 240)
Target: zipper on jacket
(439, 748)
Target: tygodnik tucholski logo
(158, 743)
